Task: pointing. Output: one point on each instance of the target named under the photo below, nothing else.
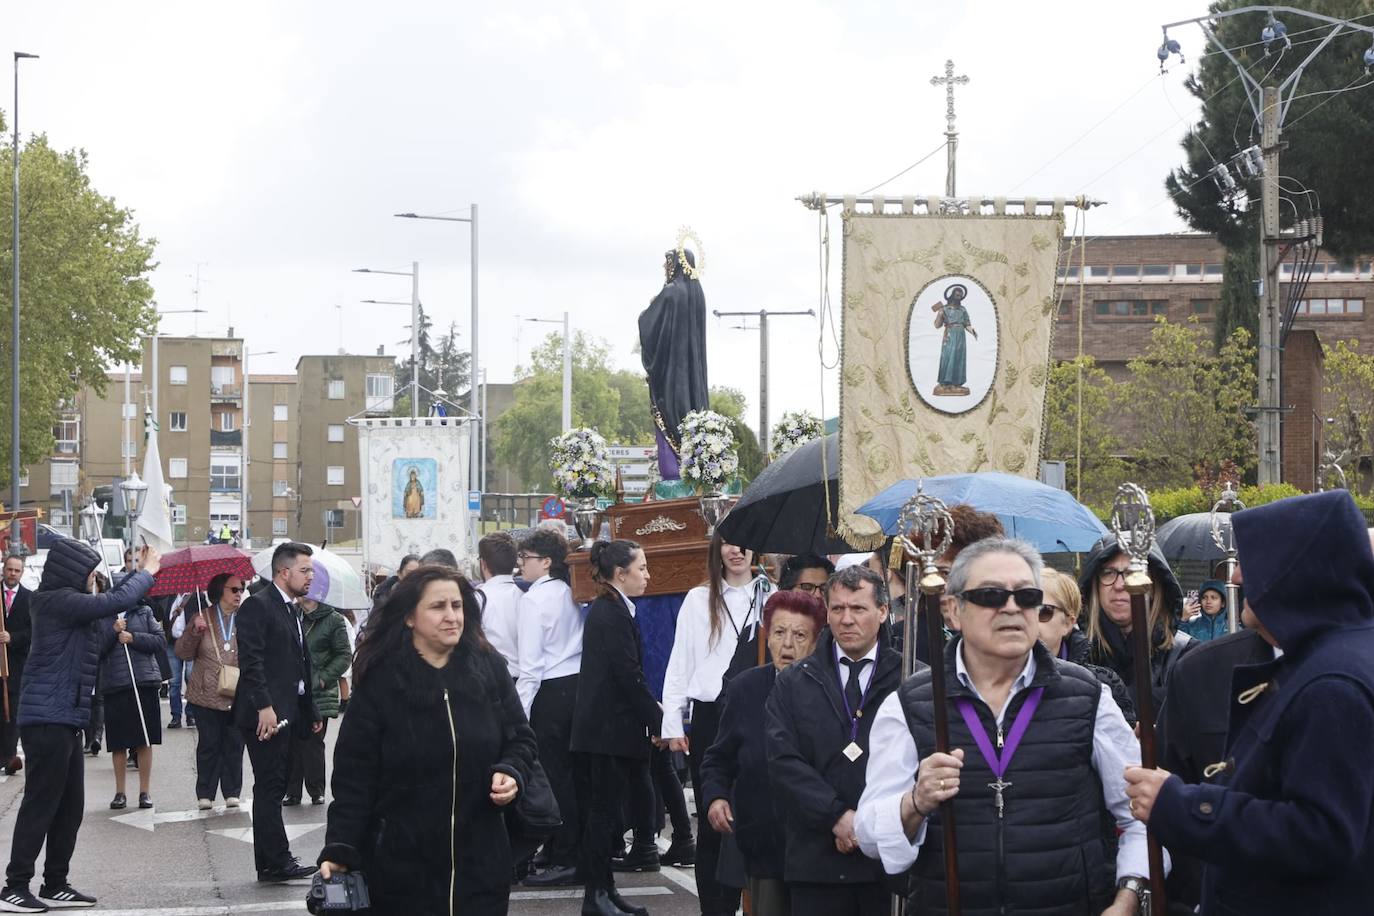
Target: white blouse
(549, 637)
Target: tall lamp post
(414, 274)
(16, 536)
(134, 490)
(474, 406)
(567, 367)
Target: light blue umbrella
(1049, 518)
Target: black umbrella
(783, 510)
(1189, 537)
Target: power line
(943, 144)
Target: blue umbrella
(1049, 518)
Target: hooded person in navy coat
(1289, 827)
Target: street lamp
(247, 446)
(414, 274)
(134, 490)
(15, 532)
(93, 524)
(567, 367)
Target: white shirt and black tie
(294, 610)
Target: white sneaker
(204, 804)
(232, 801)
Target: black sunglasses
(1047, 612)
(1026, 598)
(234, 589)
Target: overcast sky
(269, 144)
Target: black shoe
(175, 723)
(19, 900)
(624, 906)
(65, 897)
(145, 800)
(290, 801)
(118, 802)
(598, 903)
(680, 852)
(190, 721)
(290, 871)
(637, 859)
(540, 860)
(555, 876)
(162, 691)
(132, 762)
(317, 799)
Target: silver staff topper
(1224, 536)
(1133, 522)
(926, 519)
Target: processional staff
(926, 519)
(5, 662)
(1133, 521)
(1225, 539)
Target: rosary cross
(997, 787)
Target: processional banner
(415, 486)
(948, 322)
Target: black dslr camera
(341, 892)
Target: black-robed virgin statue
(672, 344)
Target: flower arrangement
(708, 455)
(794, 428)
(580, 463)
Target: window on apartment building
(280, 487)
(67, 434)
(1068, 273)
(225, 473)
(1158, 270)
(334, 475)
(1130, 308)
(24, 478)
(1204, 307)
(278, 526)
(380, 388)
(1331, 307)
(279, 413)
(336, 432)
(1343, 269)
(128, 449)
(64, 474)
(130, 410)
(179, 514)
(1102, 271)
(176, 375)
(226, 422)
(1211, 271)
(1366, 267)
(1319, 269)
(222, 379)
(278, 451)
(1192, 270)
(1126, 271)
(176, 467)
(176, 421)
(336, 389)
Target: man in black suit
(273, 701)
(15, 639)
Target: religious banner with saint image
(948, 323)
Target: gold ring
(942, 785)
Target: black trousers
(54, 796)
(655, 787)
(602, 783)
(219, 753)
(307, 765)
(551, 716)
(9, 731)
(96, 730)
(270, 760)
(867, 899)
(714, 896)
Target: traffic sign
(474, 500)
(553, 507)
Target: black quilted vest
(1046, 856)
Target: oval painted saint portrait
(952, 344)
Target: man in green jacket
(326, 637)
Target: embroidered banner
(948, 324)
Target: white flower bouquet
(580, 464)
(708, 456)
(794, 428)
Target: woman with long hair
(211, 641)
(616, 715)
(549, 637)
(714, 619)
(434, 746)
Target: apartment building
(272, 456)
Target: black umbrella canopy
(783, 510)
(1189, 537)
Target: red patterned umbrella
(191, 568)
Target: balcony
(233, 439)
(225, 393)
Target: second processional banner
(948, 322)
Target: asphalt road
(173, 860)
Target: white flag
(154, 525)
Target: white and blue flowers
(580, 463)
(708, 457)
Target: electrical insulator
(1320, 225)
(1221, 176)
(1252, 162)
(1369, 60)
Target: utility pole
(762, 315)
(1271, 312)
(949, 81)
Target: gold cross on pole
(949, 81)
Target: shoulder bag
(228, 683)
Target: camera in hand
(338, 893)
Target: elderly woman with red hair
(734, 774)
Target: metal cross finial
(1133, 522)
(925, 518)
(949, 81)
(1228, 502)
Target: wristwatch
(1138, 887)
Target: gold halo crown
(684, 235)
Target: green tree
(1349, 402)
(1188, 406)
(1238, 305)
(1103, 468)
(85, 297)
(442, 368)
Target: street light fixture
(414, 274)
(15, 528)
(567, 367)
(134, 490)
(93, 523)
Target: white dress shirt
(500, 621)
(894, 759)
(697, 663)
(548, 637)
(865, 675)
(294, 610)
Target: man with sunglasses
(1039, 748)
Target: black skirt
(122, 726)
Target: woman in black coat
(129, 681)
(613, 720)
(434, 745)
